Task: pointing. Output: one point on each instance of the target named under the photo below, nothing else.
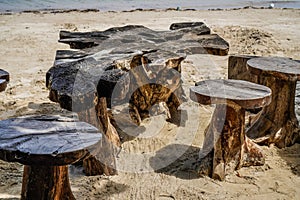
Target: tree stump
(126, 65)
(277, 123)
(226, 147)
(46, 145)
(237, 68)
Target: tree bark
(278, 123)
(102, 159)
(46, 183)
(226, 148)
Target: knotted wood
(46, 145)
(126, 65)
(278, 123)
(226, 147)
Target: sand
(28, 43)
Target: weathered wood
(281, 68)
(278, 123)
(46, 182)
(105, 153)
(4, 75)
(226, 147)
(46, 145)
(3, 84)
(4, 79)
(237, 68)
(199, 28)
(243, 93)
(69, 54)
(115, 64)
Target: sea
(126, 5)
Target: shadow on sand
(181, 166)
(292, 157)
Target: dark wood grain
(226, 147)
(281, 68)
(3, 84)
(246, 94)
(46, 140)
(129, 64)
(277, 123)
(4, 75)
(4, 79)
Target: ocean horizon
(123, 5)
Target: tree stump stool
(46, 145)
(226, 147)
(4, 79)
(278, 123)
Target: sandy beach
(28, 42)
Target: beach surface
(28, 44)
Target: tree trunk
(102, 159)
(278, 123)
(226, 148)
(46, 183)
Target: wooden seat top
(282, 68)
(248, 95)
(4, 75)
(4, 79)
(46, 140)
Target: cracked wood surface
(46, 140)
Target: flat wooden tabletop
(46, 140)
(282, 68)
(246, 94)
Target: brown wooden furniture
(131, 64)
(46, 145)
(4, 79)
(278, 123)
(226, 147)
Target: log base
(278, 123)
(46, 183)
(103, 159)
(226, 148)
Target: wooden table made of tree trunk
(131, 64)
(226, 147)
(46, 145)
(277, 123)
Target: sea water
(121, 5)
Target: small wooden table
(226, 147)
(278, 123)
(46, 145)
(4, 79)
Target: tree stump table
(277, 123)
(46, 145)
(226, 147)
(4, 79)
(125, 65)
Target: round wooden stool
(226, 147)
(46, 145)
(278, 123)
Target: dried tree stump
(226, 147)
(46, 145)
(4, 79)
(277, 123)
(126, 65)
